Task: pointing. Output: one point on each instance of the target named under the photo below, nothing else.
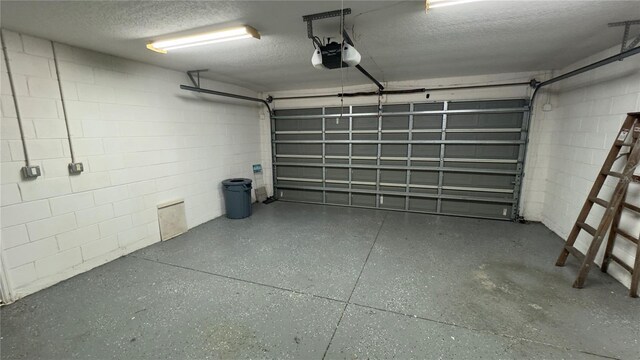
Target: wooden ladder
(613, 209)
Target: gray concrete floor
(311, 282)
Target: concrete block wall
(574, 139)
(142, 140)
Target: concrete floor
(309, 282)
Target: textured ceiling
(397, 39)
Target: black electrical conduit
(401, 92)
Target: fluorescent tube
(213, 37)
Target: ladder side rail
(595, 190)
(616, 201)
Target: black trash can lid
(236, 182)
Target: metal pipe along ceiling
(595, 65)
(619, 57)
(225, 94)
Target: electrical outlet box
(76, 168)
(546, 107)
(31, 172)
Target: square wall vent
(172, 219)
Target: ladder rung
(628, 236)
(622, 263)
(586, 227)
(596, 200)
(575, 252)
(622, 143)
(632, 207)
(618, 175)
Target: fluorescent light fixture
(242, 32)
(432, 4)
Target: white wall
(573, 140)
(142, 140)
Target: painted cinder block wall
(142, 140)
(573, 140)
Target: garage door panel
(299, 149)
(336, 136)
(489, 210)
(394, 151)
(427, 122)
(424, 177)
(393, 176)
(367, 175)
(484, 121)
(301, 172)
(492, 194)
(482, 151)
(393, 202)
(478, 180)
(364, 136)
(337, 174)
(365, 150)
(363, 200)
(461, 158)
(427, 135)
(395, 135)
(483, 136)
(301, 195)
(424, 191)
(395, 121)
(335, 149)
(428, 151)
(338, 198)
(423, 205)
(483, 164)
(489, 104)
(298, 125)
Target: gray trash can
(237, 197)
